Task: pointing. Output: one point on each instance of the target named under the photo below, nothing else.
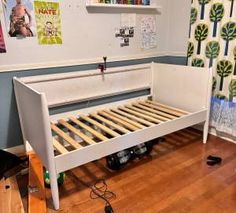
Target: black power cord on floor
(99, 190)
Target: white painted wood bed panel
(69, 88)
(87, 110)
(184, 87)
(99, 150)
(35, 123)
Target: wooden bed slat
(61, 149)
(91, 130)
(147, 107)
(151, 119)
(133, 117)
(102, 127)
(126, 124)
(169, 107)
(148, 113)
(164, 109)
(66, 137)
(77, 132)
(140, 126)
(136, 108)
(110, 123)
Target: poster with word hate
(48, 22)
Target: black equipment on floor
(119, 159)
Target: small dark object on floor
(213, 160)
(10, 164)
(161, 139)
(108, 209)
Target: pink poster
(2, 43)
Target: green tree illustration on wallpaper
(214, 82)
(222, 97)
(224, 69)
(234, 52)
(231, 8)
(228, 33)
(201, 33)
(203, 3)
(197, 62)
(212, 51)
(193, 18)
(216, 14)
(232, 89)
(190, 50)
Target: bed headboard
(66, 88)
(184, 87)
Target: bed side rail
(34, 119)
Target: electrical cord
(100, 190)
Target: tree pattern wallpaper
(212, 43)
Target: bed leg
(205, 131)
(54, 189)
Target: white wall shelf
(90, 4)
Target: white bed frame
(182, 87)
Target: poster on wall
(2, 43)
(19, 18)
(148, 32)
(48, 22)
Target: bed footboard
(35, 125)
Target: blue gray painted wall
(10, 132)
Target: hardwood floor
(175, 178)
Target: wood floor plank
(36, 199)
(10, 199)
(175, 180)
(102, 127)
(66, 137)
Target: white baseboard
(212, 131)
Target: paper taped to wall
(148, 32)
(128, 20)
